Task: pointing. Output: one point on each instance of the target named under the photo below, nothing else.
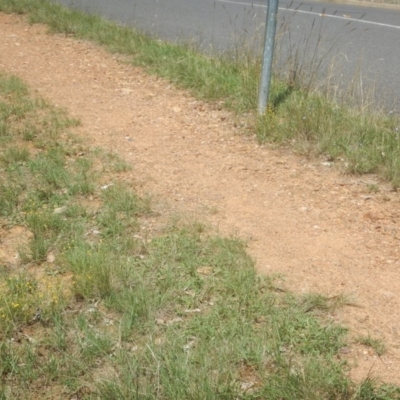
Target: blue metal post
(269, 42)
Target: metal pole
(269, 42)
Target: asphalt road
(360, 44)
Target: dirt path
(324, 231)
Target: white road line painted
(361, 21)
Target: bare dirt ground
(324, 231)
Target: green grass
(368, 142)
(377, 345)
(98, 309)
(312, 122)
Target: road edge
(367, 4)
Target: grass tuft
(377, 345)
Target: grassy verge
(359, 139)
(96, 306)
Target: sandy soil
(324, 231)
